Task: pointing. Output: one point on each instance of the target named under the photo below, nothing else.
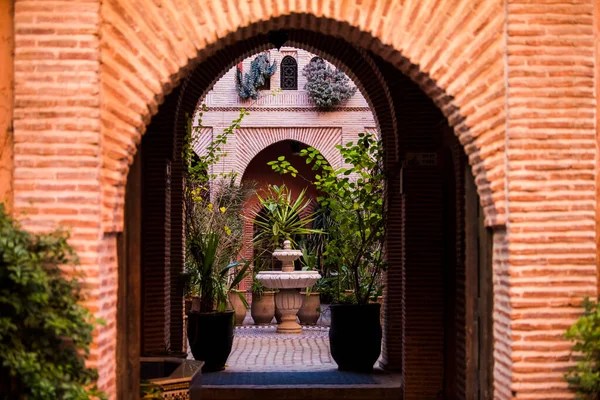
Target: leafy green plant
(317, 243)
(249, 85)
(213, 205)
(327, 87)
(308, 259)
(283, 218)
(355, 197)
(327, 287)
(585, 334)
(45, 332)
(257, 287)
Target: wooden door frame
(478, 296)
(129, 292)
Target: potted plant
(211, 321)
(213, 227)
(355, 197)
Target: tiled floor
(264, 365)
(262, 349)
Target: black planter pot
(211, 338)
(355, 336)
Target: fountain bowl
(288, 280)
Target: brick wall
(527, 129)
(6, 101)
(551, 176)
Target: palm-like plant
(283, 218)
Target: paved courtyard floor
(265, 365)
(262, 349)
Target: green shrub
(45, 332)
(585, 333)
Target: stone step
(350, 392)
(300, 385)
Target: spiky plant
(327, 87)
(260, 70)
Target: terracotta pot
(263, 308)
(311, 309)
(238, 306)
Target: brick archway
(90, 75)
(367, 76)
(252, 141)
(473, 107)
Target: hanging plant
(260, 70)
(326, 87)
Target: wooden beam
(471, 283)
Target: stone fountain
(288, 300)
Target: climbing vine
(260, 70)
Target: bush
(326, 87)
(585, 333)
(45, 332)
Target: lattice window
(289, 73)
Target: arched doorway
(416, 338)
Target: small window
(289, 73)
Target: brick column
(551, 154)
(6, 101)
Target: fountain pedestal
(288, 300)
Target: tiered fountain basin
(288, 300)
(288, 280)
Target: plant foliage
(355, 197)
(585, 334)
(249, 85)
(45, 332)
(283, 219)
(213, 223)
(327, 87)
